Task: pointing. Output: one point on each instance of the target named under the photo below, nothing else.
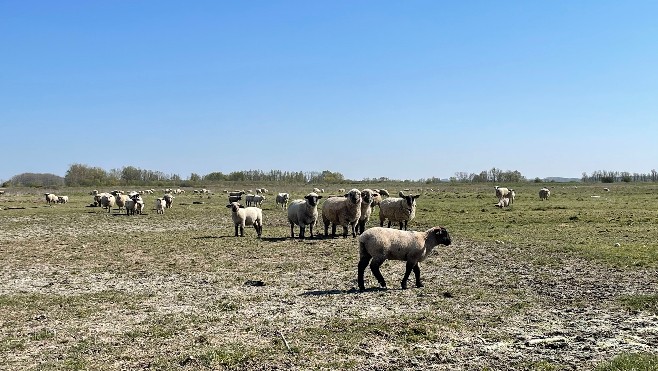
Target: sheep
(544, 193)
(160, 205)
(282, 199)
(367, 199)
(376, 200)
(249, 199)
(378, 244)
(51, 198)
(503, 202)
(258, 200)
(344, 211)
(108, 200)
(134, 205)
(62, 199)
(234, 198)
(317, 190)
(383, 192)
(121, 200)
(341, 190)
(302, 213)
(169, 200)
(398, 209)
(501, 192)
(246, 216)
(233, 193)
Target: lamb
(160, 205)
(379, 244)
(544, 193)
(302, 213)
(344, 211)
(169, 200)
(398, 209)
(246, 216)
(367, 200)
(62, 199)
(282, 199)
(503, 202)
(510, 196)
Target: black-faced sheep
(343, 211)
(169, 200)
(51, 198)
(544, 193)
(367, 200)
(398, 210)
(246, 216)
(501, 192)
(232, 199)
(107, 200)
(159, 205)
(302, 213)
(379, 244)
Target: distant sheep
(510, 196)
(503, 202)
(258, 200)
(169, 200)
(246, 216)
(159, 205)
(379, 244)
(544, 193)
(108, 200)
(367, 199)
(303, 213)
(249, 199)
(51, 198)
(62, 199)
(398, 210)
(344, 211)
(383, 192)
(501, 192)
(282, 199)
(232, 199)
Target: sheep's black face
(312, 199)
(443, 236)
(354, 197)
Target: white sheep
(169, 200)
(282, 199)
(246, 216)
(62, 199)
(503, 202)
(303, 213)
(121, 200)
(398, 210)
(343, 211)
(501, 192)
(544, 193)
(367, 201)
(379, 244)
(317, 190)
(160, 205)
(108, 200)
(51, 198)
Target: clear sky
(397, 89)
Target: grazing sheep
(160, 205)
(282, 199)
(246, 216)
(258, 200)
(344, 211)
(544, 193)
(302, 213)
(367, 200)
(398, 209)
(249, 199)
(234, 198)
(51, 198)
(121, 200)
(378, 244)
(341, 190)
(62, 199)
(108, 200)
(169, 200)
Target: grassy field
(538, 285)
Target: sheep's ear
(319, 197)
(228, 205)
(415, 197)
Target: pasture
(538, 285)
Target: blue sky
(397, 89)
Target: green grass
(631, 361)
(636, 303)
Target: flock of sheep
(351, 211)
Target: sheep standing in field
(510, 196)
(232, 199)
(367, 199)
(282, 199)
(344, 211)
(108, 200)
(544, 193)
(160, 205)
(249, 199)
(121, 200)
(378, 244)
(246, 216)
(398, 210)
(303, 213)
(258, 200)
(169, 200)
(51, 198)
(501, 192)
(62, 199)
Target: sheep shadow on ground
(274, 239)
(353, 290)
(212, 237)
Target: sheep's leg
(389, 224)
(326, 229)
(417, 274)
(374, 267)
(407, 272)
(333, 230)
(302, 231)
(363, 263)
(236, 230)
(353, 226)
(345, 228)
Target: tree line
(604, 176)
